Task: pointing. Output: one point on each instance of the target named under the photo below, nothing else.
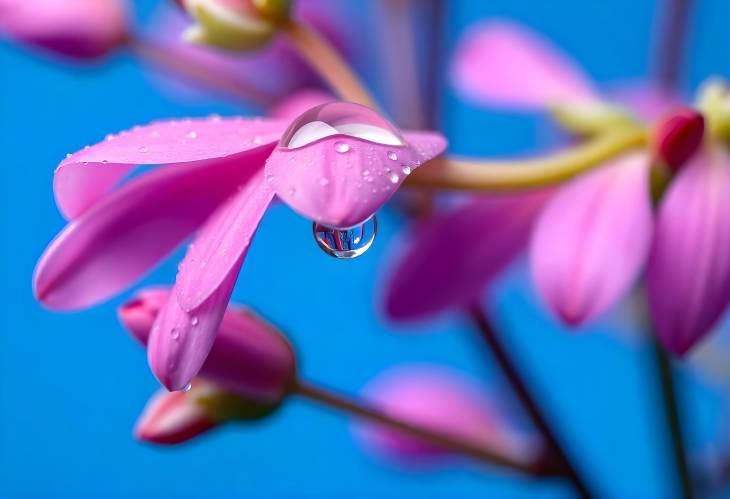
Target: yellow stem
(464, 174)
(328, 63)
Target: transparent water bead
(348, 242)
(340, 118)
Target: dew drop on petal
(324, 181)
(175, 333)
(407, 170)
(392, 156)
(341, 147)
(194, 321)
(192, 134)
(144, 149)
(346, 243)
(393, 177)
(187, 387)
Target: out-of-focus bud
(591, 117)
(176, 417)
(714, 102)
(443, 400)
(82, 29)
(677, 136)
(250, 358)
(238, 25)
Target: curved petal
(688, 275)
(340, 180)
(499, 63)
(123, 236)
(75, 28)
(172, 418)
(185, 330)
(83, 178)
(472, 245)
(591, 240)
(222, 241)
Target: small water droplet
(341, 147)
(348, 242)
(365, 173)
(392, 156)
(393, 177)
(269, 178)
(144, 149)
(407, 170)
(292, 191)
(194, 321)
(187, 387)
(324, 181)
(192, 134)
(104, 161)
(175, 334)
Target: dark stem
(671, 41)
(434, 64)
(429, 435)
(671, 409)
(508, 367)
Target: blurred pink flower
(172, 418)
(81, 29)
(444, 400)
(249, 357)
(213, 182)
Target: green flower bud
(714, 102)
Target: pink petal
(472, 245)
(172, 418)
(85, 177)
(221, 243)
(591, 240)
(688, 275)
(441, 399)
(293, 106)
(249, 357)
(499, 63)
(649, 102)
(76, 28)
(114, 243)
(341, 180)
(185, 330)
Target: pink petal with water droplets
(342, 180)
(688, 276)
(502, 64)
(438, 398)
(87, 176)
(472, 245)
(172, 418)
(123, 236)
(592, 239)
(76, 28)
(221, 242)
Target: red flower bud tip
(172, 418)
(677, 136)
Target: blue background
(72, 385)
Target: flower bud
(677, 136)
(445, 401)
(591, 117)
(238, 25)
(82, 29)
(250, 358)
(714, 102)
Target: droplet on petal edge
(347, 242)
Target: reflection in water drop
(346, 243)
(187, 387)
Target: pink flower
(213, 183)
(172, 418)
(596, 234)
(249, 357)
(81, 29)
(444, 400)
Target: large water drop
(348, 242)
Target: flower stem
(534, 411)
(162, 56)
(325, 60)
(671, 410)
(432, 436)
(463, 174)
(671, 40)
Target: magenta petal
(221, 242)
(180, 341)
(296, 104)
(499, 63)
(123, 236)
(591, 240)
(75, 28)
(88, 175)
(472, 245)
(688, 276)
(341, 180)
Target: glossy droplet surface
(346, 243)
(340, 118)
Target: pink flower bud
(82, 29)
(172, 418)
(250, 357)
(445, 401)
(677, 136)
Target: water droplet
(194, 321)
(392, 156)
(187, 387)
(348, 242)
(192, 134)
(341, 147)
(324, 181)
(144, 149)
(269, 178)
(175, 333)
(104, 161)
(365, 173)
(407, 170)
(393, 177)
